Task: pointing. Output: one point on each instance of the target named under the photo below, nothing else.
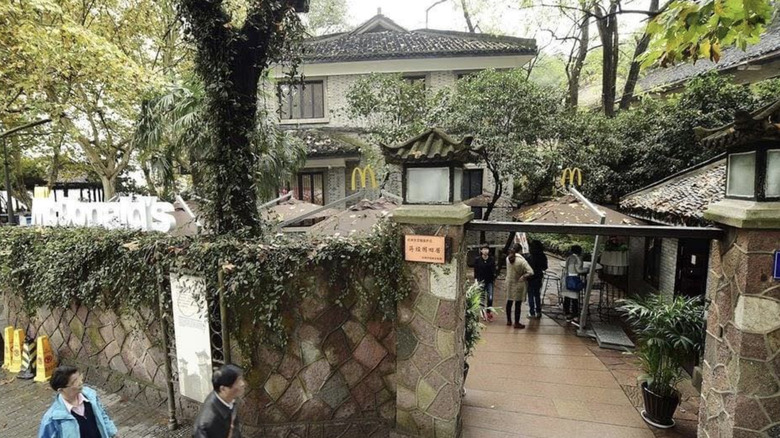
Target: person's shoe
(538, 316)
(509, 323)
(569, 317)
(490, 317)
(519, 326)
(531, 315)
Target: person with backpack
(574, 284)
(517, 273)
(538, 262)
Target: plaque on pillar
(427, 249)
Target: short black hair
(576, 249)
(484, 246)
(61, 376)
(535, 247)
(226, 376)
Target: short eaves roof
(387, 40)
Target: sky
(500, 15)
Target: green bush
(560, 244)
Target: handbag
(574, 283)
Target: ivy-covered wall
(311, 321)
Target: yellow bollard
(16, 351)
(45, 362)
(8, 340)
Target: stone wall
(121, 354)
(335, 378)
(431, 342)
(741, 367)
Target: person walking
(538, 262)
(76, 411)
(517, 273)
(218, 416)
(485, 273)
(574, 284)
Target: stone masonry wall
(430, 345)
(335, 378)
(741, 367)
(121, 354)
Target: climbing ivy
(122, 270)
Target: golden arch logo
(571, 174)
(363, 173)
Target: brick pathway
(23, 403)
(544, 381)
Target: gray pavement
(23, 403)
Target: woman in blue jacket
(76, 411)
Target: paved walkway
(544, 381)
(23, 403)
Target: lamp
(432, 166)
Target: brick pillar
(741, 367)
(431, 327)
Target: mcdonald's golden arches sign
(363, 173)
(571, 174)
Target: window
(302, 101)
(418, 80)
(772, 173)
(472, 183)
(653, 260)
(424, 185)
(741, 175)
(310, 188)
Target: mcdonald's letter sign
(571, 174)
(363, 173)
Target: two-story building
(332, 64)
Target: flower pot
(659, 410)
(615, 262)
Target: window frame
(302, 86)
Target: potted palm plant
(669, 331)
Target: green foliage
(560, 244)
(122, 270)
(327, 16)
(474, 328)
(235, 43)
(669, 332)
(690, 30)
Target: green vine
(122, 270)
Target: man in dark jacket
(485, 273)
(218, 416)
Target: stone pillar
(741, 367)
(431, 328)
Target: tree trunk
(633, 72)
(467, 16)
(574, 67)
(607, 24)
(54, 168)
(109, 187)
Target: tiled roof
(380, 39)
(330, 143)
(432, 146)
(568, 210)
(358, 219)
(761, 124)
(661, 78)
(484, 199)
(682, 198)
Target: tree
(234, 48)
(170, 127)
(689, 30)
(636, 63)
(85, 65)
(327, 16)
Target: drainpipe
(596, 252)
